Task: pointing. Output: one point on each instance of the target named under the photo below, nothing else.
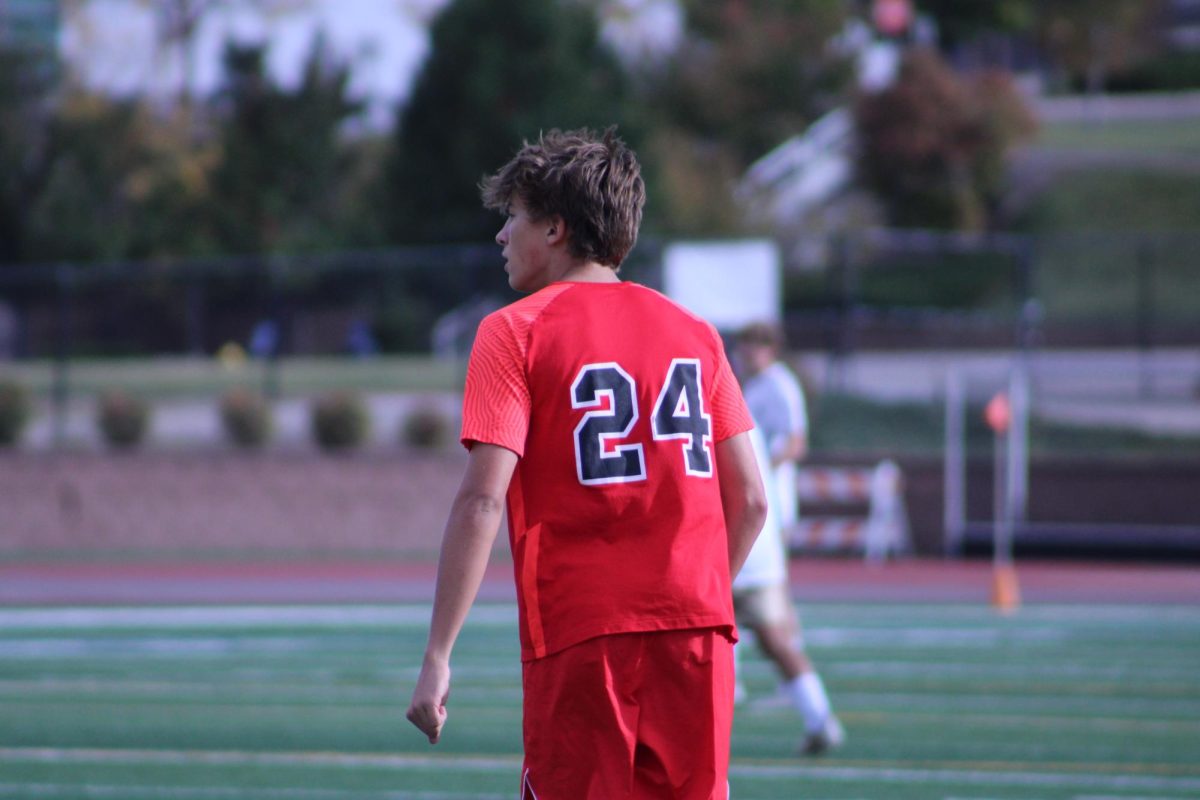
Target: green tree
(24, 120)
(747, 75)
(282, 159)
(497, 74)
(960, 22)
(1084, 40)
(751, 73)
(87, 207)
(933, 145)
(1090, 39)
(119, 181)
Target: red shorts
(638, 715)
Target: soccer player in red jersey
(606, 420)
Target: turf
(1134, 135)
(171, 377)
(940, 701)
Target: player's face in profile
(525, 250)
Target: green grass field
(1133, 135)
(184, 377)
(939, 701)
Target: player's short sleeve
(792, 398)
(730, 415)
(496, 399)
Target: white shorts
(762, 605)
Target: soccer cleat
(830, 737)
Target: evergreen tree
(89, 206)
(23, 131)
(282, 161)
(751, 73)
(498, 74)
(747, 75)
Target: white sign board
(728, 283)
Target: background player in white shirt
(762, 601)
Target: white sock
(808, 696)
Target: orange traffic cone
(1006, 591)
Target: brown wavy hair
(593, 181)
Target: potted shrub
(123, 419)
(246, 418)
(340, 421)
(425, 427)
(15, 409)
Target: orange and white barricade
(879, 529)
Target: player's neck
(589, 272)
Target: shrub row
(15, 409)
(339, 421)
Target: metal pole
(1029, 320)
(1001, 524)
(61, 387)
(954, 512)
(843, 273)
(1145, 317)
(195, 297)
(271, 382)
(1016, 500)
(1006, 593)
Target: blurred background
(242, 260)
(242, 254)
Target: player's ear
(556, 230)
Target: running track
(813, 580)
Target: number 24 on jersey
(678, 414)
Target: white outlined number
(593, 465)
(678, 414)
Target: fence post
(275, 276)
(1145, 317)
(196, 312)
(954, 466)
(1006, 596)
(1029, 316)
(847, 292)
(64, 277)
(1029, 308)
(1017, 484)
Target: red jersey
(613, 397)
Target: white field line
(1096, 613)
(14, 619)
(306, 692)
(1117, 672)
(325, 691)
(35, 790)
(877, 620)
(995, 775)
(982, 777)
(226, 758)
(1088, 704)
(501, 615)
(1087, 797)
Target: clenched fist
(428, 707)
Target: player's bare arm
(470, 531)
(742, 497)
(793, 447)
